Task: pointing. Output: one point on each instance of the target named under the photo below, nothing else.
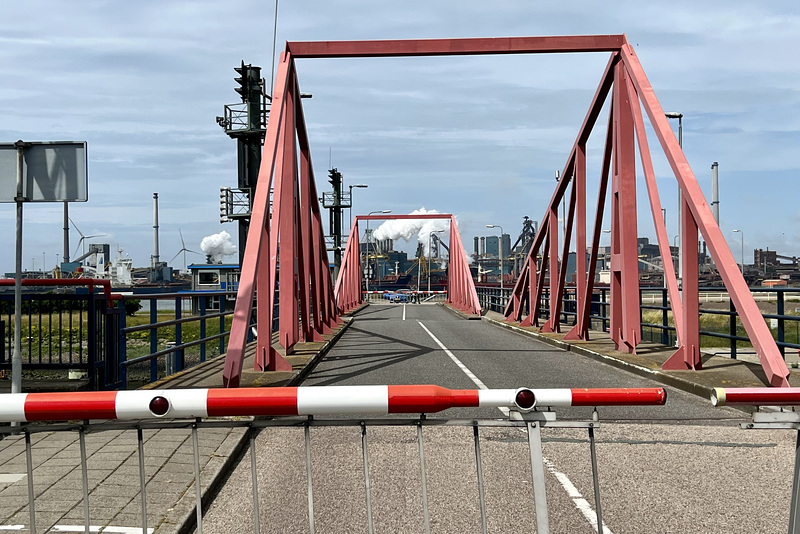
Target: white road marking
(404, 312)
(10, 478)
(580, 503)
(577, 499)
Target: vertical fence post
(254, 475)
(309, 484)
(781, 324)
(221, 324)
(537, 472)
(479, 467)
(31, 495)
(664, 318)
(178, 355)
(732, 330)
(202, 301)
(122, 347)
(423, 478)
(142, 477)
(198, 493)
(84, 479)
(91, 330)
(153, 338)
(370, 526)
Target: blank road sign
(51, 172)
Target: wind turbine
(81, 243)
(184, 250)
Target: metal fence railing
(658, 326)
(64, 335)
(182, 329)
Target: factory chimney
(483, 246)
(476, 246)
(154, 257)
(715, 190)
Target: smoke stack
(483, 246)
(154, 259)
(475, 248)
(715, 190)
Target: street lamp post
(499, 251)
(430, 242)
(363, 186)
(742, 234)
(679, 116)
(369, 238)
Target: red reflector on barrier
(525, 399)
(159, 406)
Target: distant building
(214, 278)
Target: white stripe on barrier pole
(553, 397)
(188, 403)
(342, 399)
(497, 398)
(11, 406)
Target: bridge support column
(625, 324)
(688, 354)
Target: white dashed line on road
(578, 500)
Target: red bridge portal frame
(461, 292)
(292, 233)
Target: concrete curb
(654, 374)
(239, 445)
(300, 374)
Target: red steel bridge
(286, 226)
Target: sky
(479, 137)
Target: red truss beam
(456, 47)
(292, 234)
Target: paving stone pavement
(112, 464)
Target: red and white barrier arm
(600, 397)
(328, 400)
(755, 396)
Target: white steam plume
(406, 229)
(218, 246)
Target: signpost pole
(16, 358)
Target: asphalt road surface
(684, 467)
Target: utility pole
(336, 206)
(247, 123)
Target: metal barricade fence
(530, 409)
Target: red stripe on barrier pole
(252, 401)
(67, 406)
(618, 396)
(756, 396)
(429, 399)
